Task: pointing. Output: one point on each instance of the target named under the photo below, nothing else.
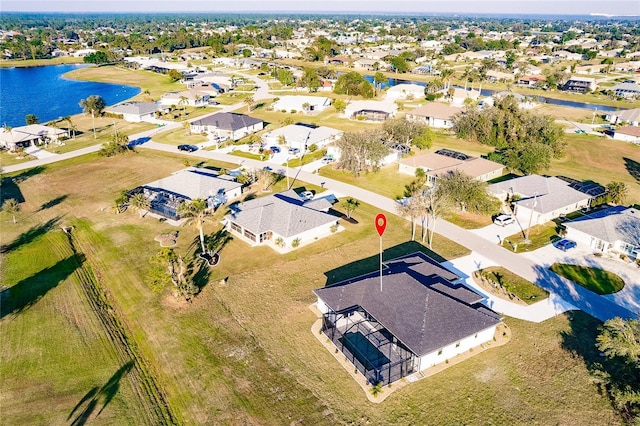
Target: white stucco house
(281, 221)
(628, 116)
(302, 136)
(136, 112)
(306, 104)
(435, 114)
(406, 91)
(420, 315)
(30, 135)
(192, 97)
(628, 134)
(437, 164)
(543, 198)
(229, 124)
(616, 230)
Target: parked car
(187, 148)
(306, 195)
(565, 244)
(274, 149)
(327, 160)
(293, 151)
(504, 220)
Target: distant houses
(371, 110)
(136, 112)
(29, 136)
(435, 114)
(628, 134)
(440, 163)
(301, 136)
(305, 104)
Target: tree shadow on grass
(372, 263)
(52, 203)
(633, 167)
(610, 374)
(29, 291)
(9, 186)
(30, 235)
(97, 396)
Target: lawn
(179, 136)
(308, 157)
(242, 352)
(539, 236)
(512, 284)
(468, 220)
(386, 181)
(597, 280)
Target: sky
(544, 7)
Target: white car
(504, 220)
(306, 195)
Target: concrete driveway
(495, 233)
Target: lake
(44, 92)
(487, 92)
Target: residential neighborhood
(329, 216)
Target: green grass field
(514, 284)
(597, 280)
(242, 352)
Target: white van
(504, 220)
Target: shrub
(334, 228)
(295, 243)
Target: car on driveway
(306, 195)
(504, 220)
(293, 151)
(565, 244)
(187, 148)
(274, 149)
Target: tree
(361, 151)
(169, 267)
(378, 80)
(72, 126)
(285, 76)
(350, 205)
(310, 79)
(265, 179)
(11, 206)
(93, 105)
(399, 64)
(619, 341)
(140, 203)
(120, 203)
(183, 101)
(31, 119)
(413, 205)
(617, 192)
(340, 105)
(249, 101)
(175, 75)
(401, 130)
(195, 211)
(437, 205)
(354, 84)
(119, 144)
(467, 193)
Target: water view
(44, 91)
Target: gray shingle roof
(284, 214)
(418, 303)
(552, 193)
(227, 121)
(139, 108)
(193, 183)
(614, 224)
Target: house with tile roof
(419, 314)
(167, 194)
(229, 124)
(434, 114)
(542, 198)
(438, 164)
(281, 221)
(302, 136)
(628, 134)
(616, 229)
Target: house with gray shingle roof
(543, 198)
(418, 315)
(434, 114)
(281, 220)
(135, 112)
(165, 195)
(616, 229)
(229, 124)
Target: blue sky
(547, 7)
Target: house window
(236, 227)
(250, 235)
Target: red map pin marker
(381, 223)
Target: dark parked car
(565, 244)
(275, 149)
(188, 148)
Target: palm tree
(195, 211)
(11, 206)
(72, 126)
(617, 192)
(140, 203)
(249, 101)
(94, 104)
(183, 101)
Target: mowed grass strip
(597, 280)
(514, 284)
